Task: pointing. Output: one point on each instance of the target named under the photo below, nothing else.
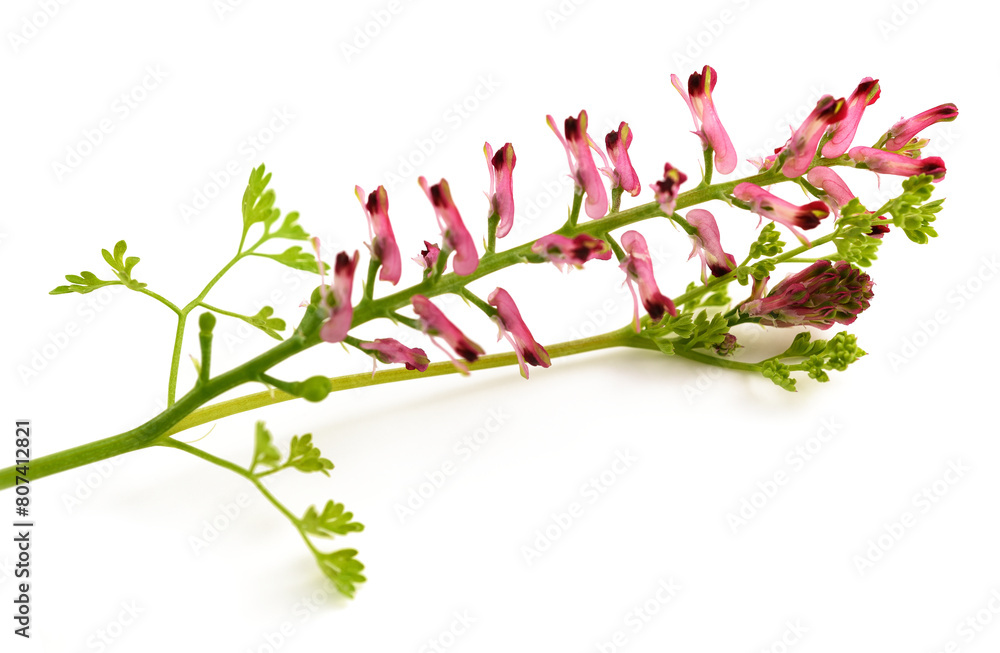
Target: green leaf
(305, 457)
(264, 451)
(121, 265)
(290, 228)
(294, 257)
(343, 570)
(83, 283)
(263, 321)
(258, 199)
(332, 521)
(779, 373)
(706, 332)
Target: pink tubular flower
(428, 257)
(434, 323)
(456, 236)
(706, 121)
(571, 251)
(623, 176)
(830, 183)
(842, 133)
(383, 246)
(891, 163)
(389, 350)
(708, 245)
(501, 195)
(516, 331)
(774, 208)
(638, 267)
(802, 146)
(338, 302)
(668, 188)
(581, 162)
(904, 130)
(820, 296)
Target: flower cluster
(821, 295)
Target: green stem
(373, 266)
(574, 213)
(163, 300)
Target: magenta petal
(802, 146)
(571, 251)
(502, 186)
(617, 144)
(390, 350)
(668, 188)
(638, 268)
(842, 133)
(527, 350)
(338, 301)
(456, 236)
(384, 246)
(891, 163)
(581, 162)
(774, 208)
(708, 244)
(830, 183)
(434, 323)
(904, 130)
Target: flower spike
(623, 176)
(456, 236)
(501, 194)
(707, 125)
(842, 133)
(820, 296)
(581, 163)
(774, 208)
(338, 302)
(513, 328)
(383, 245)
(435, 324)
(708, 245)
(638, 268)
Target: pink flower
(820, 296)
(708, 245)
(638, 268)
(581, 162)
(456, 236)
(435, 324)
(383, 245)
(668, 188)
(774, 208)
(802, 146)
(890, 163)
(904, 130)
(830, 183)
(428, 257)
(571, 251)
(706, 121)
(623, 176)
(516, 331)
(842, 133)
(501, 195)
(389, 350)
(338, 301)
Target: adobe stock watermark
(107, 635)
(448, 636)
(899, 15)
(452, 118)
(790, 636)
(972, 626)
(58, 341)
(639, 616)
(956, 299)
(33, 23)
(223, 8)
(96, 476)
(921, 503)
(590, 492)
(795, 460)
(702, 40)
(367, 33)
(122, 107)
(419, 494)
(236, 169)
(213, 527)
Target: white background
(702, 441)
